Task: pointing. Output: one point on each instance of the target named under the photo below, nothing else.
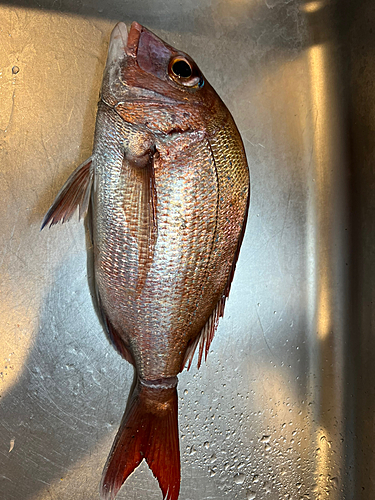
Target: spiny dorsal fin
(205, 337)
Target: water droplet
(334, 481)
(256, 478)
(185, 391)
(15, 70)
(206, 445)
(267, 487)
(265, 439)
(267, 447)
(239, 478)
(251, 495)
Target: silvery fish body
(168, 186)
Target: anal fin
(114, 337)
(117, 341)
(75, 192)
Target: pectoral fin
(75, 192)
(140, 204)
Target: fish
(166, 192)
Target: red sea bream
(167, 188)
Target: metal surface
(284, 407)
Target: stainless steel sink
(284, 407)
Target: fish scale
(168, 185)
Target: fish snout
(117, 44)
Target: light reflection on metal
(325, 211)
(310, 7)
(318, 220)
(322, 184)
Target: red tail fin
(149, 430)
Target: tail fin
(149, 430)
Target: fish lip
(117, 44)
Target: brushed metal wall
(284, 408)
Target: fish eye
(185, 72)
(181, 69)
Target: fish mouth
(117, 44)
(123, 44)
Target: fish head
(143, 71)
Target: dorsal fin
(205, 337)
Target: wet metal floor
(284, 408)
